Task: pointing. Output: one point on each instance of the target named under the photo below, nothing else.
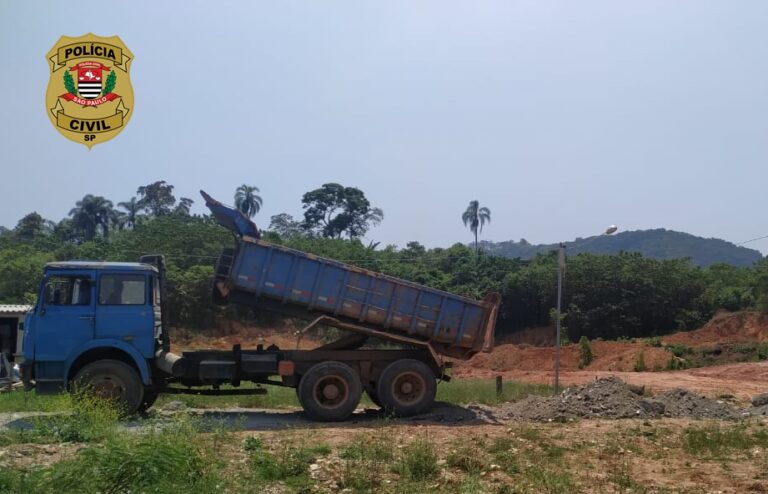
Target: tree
(31, 226)
(247, 200)
(475, 218)
(157, 198)
(132, 209)
(184, 206)
(333, 210)
(284, 225)
(91, 215)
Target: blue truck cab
(89, 312)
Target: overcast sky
(561, 117)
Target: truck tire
(150, 397)
(330, 391)
(407, 387)
(114, 380)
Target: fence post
(498, 387)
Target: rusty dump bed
(389, 307)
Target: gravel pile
(612, 398)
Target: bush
(640, 363)
(585, 352)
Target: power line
(752, 240)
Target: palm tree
(247, 200)
(132, 209)
(475, 217)
(91, 214)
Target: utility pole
(560, 271)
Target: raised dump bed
(264, 274)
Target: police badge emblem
(89, 97)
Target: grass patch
(417, 461)
(457, 391)
(461, 391)
(288, 462)
(29, 401)
(716, 441)
(85, 419)
(467, 458)
(366, 461)
(166, 460)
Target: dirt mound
(725, 327)
(612, 398)
(617, 356)
(541, 336)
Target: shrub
(640, 363)
(655, 342)
(585, 352)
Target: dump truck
(103, 326)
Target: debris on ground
(760, 400)
(612, 398)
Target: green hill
(656, 244)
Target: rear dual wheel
(406, 387)
(330, 391)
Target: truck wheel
(150, 397)
(113, 380)
(407, 387)
(329, 391)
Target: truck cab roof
(118, 266)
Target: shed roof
(14, 309)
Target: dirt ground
(526, 362)
(599, 455)
(528, 356)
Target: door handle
(87, 318)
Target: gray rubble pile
(612, 398)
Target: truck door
(124, 310)
(64, 322)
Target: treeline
(657, 244)
(605, 296)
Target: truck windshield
(122, 289)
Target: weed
(654, 342)
(92, 419)
(504, 454)
(365, 460)
(585, 352)
(252, 444)
(550, 480)
(159, 461)
(417, 461)
(378, 447)
(288, 462)
(484, 391)
(679, 350)
(715, 440)
(467, 458)
(639, 363)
